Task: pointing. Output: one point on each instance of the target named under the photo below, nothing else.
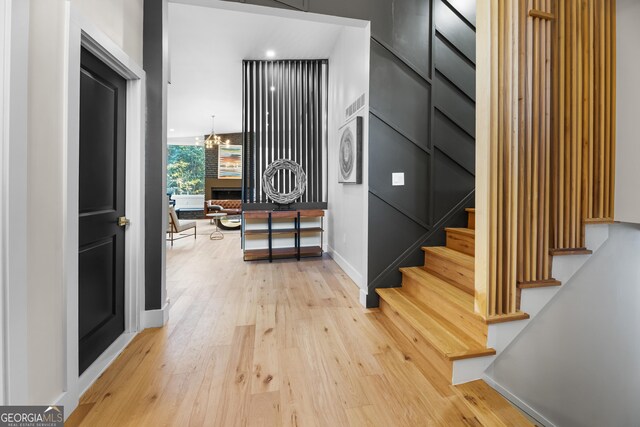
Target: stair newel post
(497, 76)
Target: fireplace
(226, 193)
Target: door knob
(123, 221)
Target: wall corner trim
(363, 297)
(156, 318)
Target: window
(185, 170)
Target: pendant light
(213, 139)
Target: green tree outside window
(185, 169)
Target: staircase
(434, 308)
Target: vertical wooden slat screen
(497, 157)
(545, 146)
(534, 136)
(284, 116)
(583, 145)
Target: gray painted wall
(156, 66)
(578, 362)
(627, 202)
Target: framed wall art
(350, 152)
(230, 162)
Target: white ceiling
(207, 46)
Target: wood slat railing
(497, 74)
(535, 141)
(584, 133)
(545, 147)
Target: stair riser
(450, 271)
(446, 309)
(471, 220)
(439, 362)
(461, 243)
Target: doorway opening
(230, 61)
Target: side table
(215, 217)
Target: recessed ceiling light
(197, 138)
(171, 130)
(273, 88)
(271, 53)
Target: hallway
(287, 343)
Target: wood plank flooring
(282, 344)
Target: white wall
(122, 20)
(576, 364)
(3, 143)
(627, 207)
(348, 203)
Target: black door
(102, 198)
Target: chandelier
(213, 139)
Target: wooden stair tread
(450, 342)
(570, 251)
(446, 301)
(538, 284)
(445, 289)
(442, 251)
(470, 210)
(459, 230)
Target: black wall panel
(459, 70)
(454, 142)
(456, 30)
(451, 183)
(422, 123)
(391, 152)
(400, 25)
(396, 230)
(465, 8)
(454, 104)
(401, 98)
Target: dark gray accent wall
(422, 123)
(155, 57)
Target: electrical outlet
(397, 178)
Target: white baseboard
(351, 272)
(344, 265)
(517, 402)
(70, 398)
(156, 318)
(363, 297)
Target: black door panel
(101, 202)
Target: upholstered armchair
(177, 226)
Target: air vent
(353, 108)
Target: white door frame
(13, 190)
(82, 33)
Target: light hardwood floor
(259, 344)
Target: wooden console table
(267, 235)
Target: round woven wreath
(287, 165)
